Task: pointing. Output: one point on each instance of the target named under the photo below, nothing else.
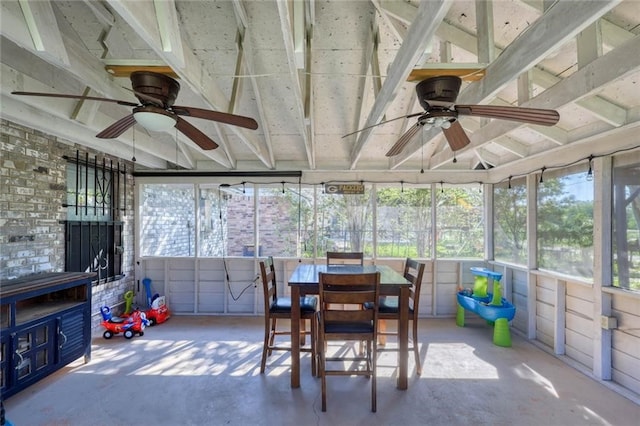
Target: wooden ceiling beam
(581, 84)
(246, 58)
(288, 40)
(141, 16)
(126, 70)
(427, 19)
(43, 28)
(540, 39)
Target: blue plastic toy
(491, 306)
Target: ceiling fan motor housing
(441, 89)
(157, 85)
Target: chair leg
(416, 347)
(382, 328)
(322, 373)
(303, 332)
(273, 334)
(314, 334)
(369, 355)
(374, 366)
(265, 347)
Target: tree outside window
(404, 222)
(460, 222)
(345, 223)
(626, 227)
(565, 223)
(510, 222)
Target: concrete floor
(205, 371)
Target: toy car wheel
(152, 322)
(107, 334)
(141, 333)
(128, 334)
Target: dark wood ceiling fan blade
(117, 128)
(222, 117)
(456, 136)
(544, 117)
(202, 140)
(404, 140)
(383, 122)
(88, 98)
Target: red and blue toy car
(129, 326)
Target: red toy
(158, 311)
(134, 323)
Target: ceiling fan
(437, 95)
(156, 111)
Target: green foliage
(510, 223)
(460, 223)
(565, 227)
(404, 216)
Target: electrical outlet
(608, 323)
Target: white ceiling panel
(310, 72)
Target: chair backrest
(269, 285)
(352, 289)
(335, 258)
(413, 271)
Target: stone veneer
(32, 191)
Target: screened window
(167, 220)
(238, 221)
(460, 223)
(212, 232)
(286, 220)
(626, 227)
(565, 223)
(404, 222)
(510, 222)
(345, 223)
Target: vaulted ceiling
(311, 71)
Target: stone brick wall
(32, 191)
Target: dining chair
(279, 307)
(389, 309)
(336, 258)
(347, 325)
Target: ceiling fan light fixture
(154, 121)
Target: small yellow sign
(332, 188)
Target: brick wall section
(32, 191)
(168, 215)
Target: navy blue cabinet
(46, 324)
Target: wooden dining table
(304, 281)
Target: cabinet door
(33, 353)
(73, 336)
(4, 363)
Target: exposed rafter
(245, 62)
(44, 32)
(288, 38)
(141, 17)
(427, 18)
(580, 84)
(536, 42)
